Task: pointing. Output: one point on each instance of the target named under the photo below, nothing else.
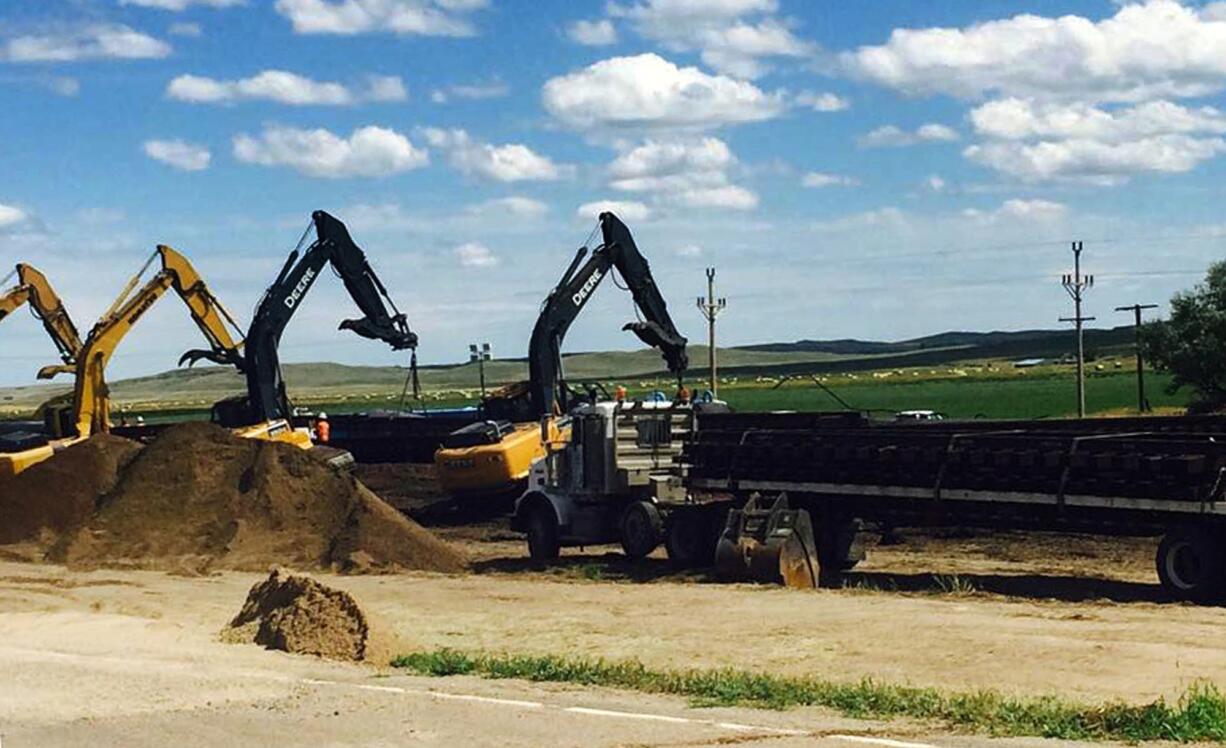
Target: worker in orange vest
(683, 395)
(619, 393)
(323, 430)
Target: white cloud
(283, 87)
(1146, 50)
(185, 29)
(11, 215)
(817, 179)
(688, 250)
(367, 152)
(671, 165)
(733, 36)
(179, 154)
(475, 255)
(693, 173)
(648, 91)
(738, 49)
(1017, 210)
(597, 33)
(891, 136)
(474, 91)
(821, 102)
(1095, 161)
(627, 210)
(63, 85)
(516, 205)
(729, 196)
(386, 88)
(1043, 141)
(93, 42)
(420, 17)
(178, 5)
(513, 162)
(1020, 119)
(935, 183)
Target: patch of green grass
(592, 572)
(952, 584)
(1030, 395)
(1199, 715)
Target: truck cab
(615, 480)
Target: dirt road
(131, 659)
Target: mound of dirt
(59, 494)
(298, 614)
(199, 498)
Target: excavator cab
(502, 464)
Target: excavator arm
(566, 301)
(34, 289)
(266, 396)
(91, 397)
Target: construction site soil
(199, 498)
(297, 614)
(58, 495)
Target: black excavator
(494, 456)
(266, 399)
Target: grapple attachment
(769, 543)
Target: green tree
(1191, 345)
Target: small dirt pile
(199, 497)
(298, 614)
(59, 494)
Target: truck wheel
(691, 539)
(542, 527)
(641, 527)
(1192, 564)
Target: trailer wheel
(1192, 564)
(641, 528)
(691, 539)
(542, 527)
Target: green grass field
(1041, 396)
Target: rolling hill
(199, 387)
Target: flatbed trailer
(1139, 476)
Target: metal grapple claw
(770, 544)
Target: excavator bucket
(769, 543)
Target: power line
(1142, 403)
(1076, 285)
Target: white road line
(888, 743)
(627, 715)
(589, 711)
(487, 700)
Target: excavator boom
(34, 289)
(91, 397)
(266, 396)
(572, 293)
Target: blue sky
(880, 170)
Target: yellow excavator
(493, 457)
(34, 289)
(90, 408)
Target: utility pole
(1076, 284)
(480, 355)
(710, 308)
(1142, 403)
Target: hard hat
(322, 416)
